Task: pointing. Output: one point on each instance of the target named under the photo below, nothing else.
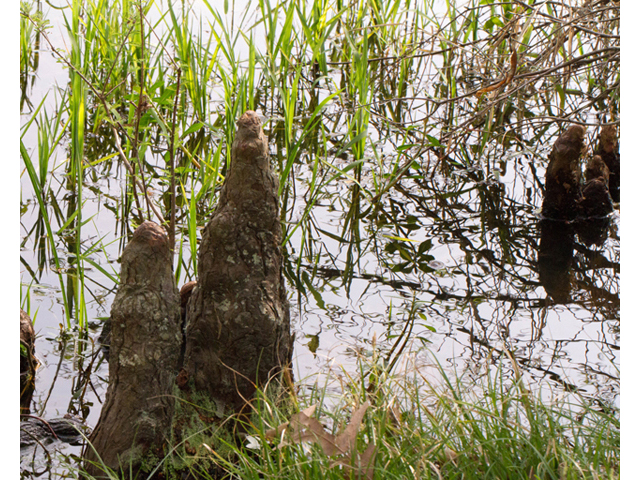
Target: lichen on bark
(236, 332)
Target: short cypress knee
(596, 200)
(135, 421)
(608, 150)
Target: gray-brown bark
(595, 205)
(562, 179)
(238, 327)
(145, 347)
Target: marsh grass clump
(198, 425)
(439, 427)
(418, 423)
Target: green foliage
(334, 80)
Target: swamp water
(410, 207)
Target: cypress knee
(608, 150)
(596, 200)
(595, 204)
(562, 179)
(237, 323)
(146, 337)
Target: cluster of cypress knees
(574, 204)
(228, 333)
(188, 362)
(566, 196)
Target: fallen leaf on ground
(302, 427)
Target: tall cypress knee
(237, 324)
(146, 337)
(562, 179)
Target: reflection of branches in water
(83, 378)
(551, 57)
(498, 236)
(528, 364)
(492, 227)
(492, 242)
(62, 348)
(490, 222)
(596, 277)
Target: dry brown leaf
(275, 432)
(309, 411)
(317, 433)
(346, 441)
(303, 428)
(450, 454)
(296, 420)
(301, 419)
(368, 460)
(361, 465)
(394, 414)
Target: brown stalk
(504, 81)
(141, 107)
(172, 172)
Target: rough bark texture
(562, 180)
(145, 347)
(28, 362)
(237, 326)
(608, 150)
(595, 205)
(596, 201)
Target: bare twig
(172, 172)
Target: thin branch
(172, 172)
